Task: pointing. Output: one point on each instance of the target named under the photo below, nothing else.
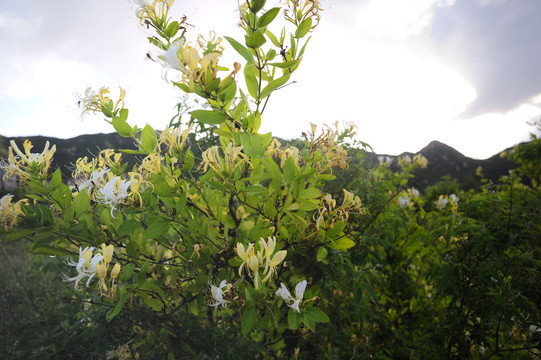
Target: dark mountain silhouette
(443, 160)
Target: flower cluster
(174, 140)
(264, 258)
(233, 159)
(301, 10)
(194, 68)
(96, 101)
(153, 13)
(328, 213)
(20, 164)
(10, 213)
(106, 189)
(328, 145)
(292, 302)
(90, 264)
(405, 200)
(443, 201)
(274, 150)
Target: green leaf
(289, 170)
(303, 28)
(81, 202)
(128, 227)
(210, 117)
(119, 305)
(257, 5)
(153, 303)
(156, 229)
(148, 139)
(56, 179)
(293, 319)
(316, 315)
(250, 71)
(254, 145)
(310, 193)
(132, 152)
(120, 124)
(62, 195)
(343, 243)
(285, 64)
(248, 320)
(243, 51)
(255, 40)
(273, 85)
(172, 29)
(126, 272)
(272, 38)
(46, 216)
(267, 17)
(54, 251)
(321, 253)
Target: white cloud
(397, 19)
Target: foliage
(252, 249)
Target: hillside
(443, 160)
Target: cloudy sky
(464, 72)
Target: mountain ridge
(443, 160)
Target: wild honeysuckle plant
(249, 215)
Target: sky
(463, 72)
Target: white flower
(442, 202)
(95, 180)
(292, 302)
(217, 294)
(404, 201)
(113, 192)
(86, 266)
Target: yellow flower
(10, 213)
(248, 256)
(264, 258)
(107, 252)
(153, 11)
(115, 271)
(173, 139)
(101, 269)
(20, 163)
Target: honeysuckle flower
(453, 199)
(248, 256)
(86, 266)
(113, 193)
(385, 160)
(271, 261)
(10, 213)
(292, 302)
(173, 139)
(217, 294)
(94, 182)
(265, 259)
(19, 163)
(115, 271)
(442, 202)
(404, 201)
(150, 11)
(234, 158)
(107, 252)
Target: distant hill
(443, 160)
